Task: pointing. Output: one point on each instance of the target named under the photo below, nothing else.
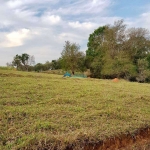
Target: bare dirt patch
(139, 140)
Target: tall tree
(39, 67)
(56, 64)
(17, 61)
(22, 62)
(114, 51)
(137, 44)
(96, 40)
(142, 70)
(25, 59)
(71, 56)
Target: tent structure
(67, 74)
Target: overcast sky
(41, 27)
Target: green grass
(38, 109)
(7, 68)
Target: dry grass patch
(40, 110)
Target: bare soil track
(139, 140)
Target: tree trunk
(73, 72)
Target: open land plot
(44, 111)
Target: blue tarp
(67, 74)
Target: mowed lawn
(38, 109)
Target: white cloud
(84, 25)
(19, 3)
(51, 19)
(141, 21)
(144, 18)
(85, 7)
(70, 36)
(14, 3)
(15, 38)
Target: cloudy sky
(41, 27)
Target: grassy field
(38, 110)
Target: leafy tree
(96, 67)
(81, 63)
(38, 67)
(142, 70)
(56, 64)
(114, 51)
(137, 44)
(47, 65)
(114, 38)
(71, 56)
(104, 44)
(22, 62)
(24, 58)
(148, 60)
(120, 66)
(96, 40)
(17, 61)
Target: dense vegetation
(113, 51)
(46, 111)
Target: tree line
(112, 51)
(118, 51)
(26, 62)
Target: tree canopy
(115, 51)
(72, 58)
(22, 62)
